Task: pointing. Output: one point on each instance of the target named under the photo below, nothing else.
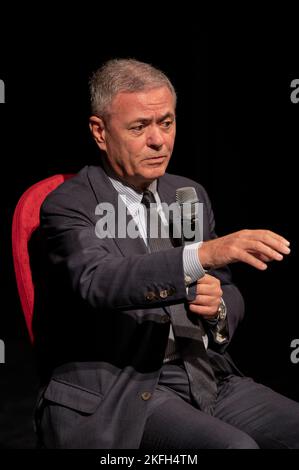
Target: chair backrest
(25, 222)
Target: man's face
(138, 136)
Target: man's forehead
(143, 100)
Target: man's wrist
(203, 256)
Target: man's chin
(154, 171)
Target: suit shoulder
(68, 191)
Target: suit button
(146, 396)
(163, 294)
(150, 295)
(165, 319)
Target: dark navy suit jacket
(101, 325)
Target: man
(133, 331)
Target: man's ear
(97, 128)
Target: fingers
(208, 295)
(203, 309)
(256, 251)
(209, 285)
(270, 239)
(268, 234)
(209, 289)
(261, 257)
(254, 247)
(208, 279)
(263, 249)
(260, 233)
(251, 259)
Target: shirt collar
(133, 197)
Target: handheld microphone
(191, 215)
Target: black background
(237, 135)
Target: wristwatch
(221, 313)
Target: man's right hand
(255, 247)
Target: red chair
(25, 222)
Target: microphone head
(190, 214)
(186, 194)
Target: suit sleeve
(97, 271)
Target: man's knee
(241, 440)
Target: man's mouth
(156, 159)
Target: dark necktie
(157, 238)
(187, 327)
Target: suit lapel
(105, 192)
(166, 191)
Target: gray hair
(123, 75)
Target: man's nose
(155, 137)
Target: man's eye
(166, 124)
(138, 128)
